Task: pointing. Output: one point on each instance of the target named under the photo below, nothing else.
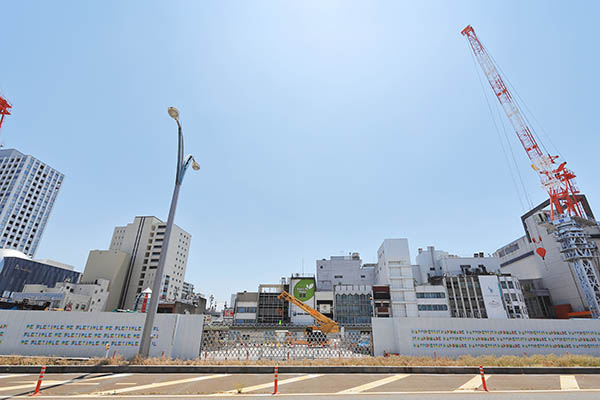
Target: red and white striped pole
(483, 378)
(39, 382)
(275, 383)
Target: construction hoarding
(86, 334)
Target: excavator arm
(324, 324)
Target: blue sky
(322, 127)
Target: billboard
(492, 297)
(304, 290)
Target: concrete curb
(290, 369)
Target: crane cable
(540, 142)
(512, 176)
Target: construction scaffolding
(272, 310)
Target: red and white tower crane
(556, 179)
(4, 109)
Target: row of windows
(433, 307)
(509, 284)
(246, 309)
(431, 295)
(512, 296)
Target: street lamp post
(182, 166)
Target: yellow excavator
(322, 323)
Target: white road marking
(195, 396)
(472, 384)
(12, 375)
(77, 380)
(568, 382)
(161, 384)
(269, 384)
(107, 377)
(31, 385)
(371, 385)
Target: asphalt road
(315, 386)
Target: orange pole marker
(39, 382)
(275, 383)
(483, 378)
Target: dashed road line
(112, 376)
(308, 394)
(13, 375)
(161, 384)
(472, 384)
(31, 385)
(374, 384)
(568, 382)
(269, 384)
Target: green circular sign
(304, 289)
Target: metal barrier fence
(251, 344)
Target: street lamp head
(195, 165)
(174, 113)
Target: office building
(245, 307)
(432, 301)
(17, 270)
(143, 241)
(28, 189)
(523, 259)
(477, 295)
(344, 270)
(82, 296)
(353, 305)
(187, 292)
(432, 263)
(270, 309)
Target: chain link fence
(258, 343)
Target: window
(511, 285)
(503, 284)
(432, 295)
(338, 276)
(362, 276)
(433, 307)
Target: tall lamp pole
(182, 166)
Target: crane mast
(556, 179)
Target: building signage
(492, 297)
(304, 290)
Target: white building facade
(83, 296)
(28, 189)
(143, 240)
(394, 269)
(521, 258)
(343, 270)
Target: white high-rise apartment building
(144, 241)
(28, 189)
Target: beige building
(132, 259)
(110, 265)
